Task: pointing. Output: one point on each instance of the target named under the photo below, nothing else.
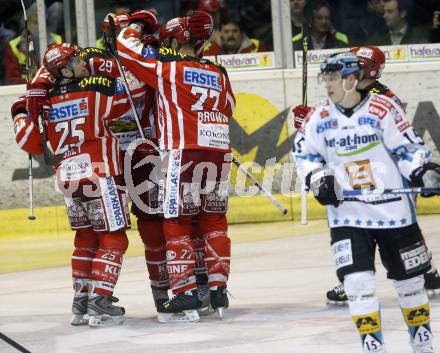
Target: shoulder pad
(97, 83)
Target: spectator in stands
(5, 36)
(15, 56)
(256, 20)
(234, 40)
(297, 15)
(435, 31)
(319, 29)
(363, 21)
(396, 13)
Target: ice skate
(432, 283)
(102, 312)
(204, 297)
(160, 297)
(219, 300)
(79, 305)
(337, 295)
(181, 308)
(422, 348)
(79, 310)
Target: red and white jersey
(99, 62)
(194, 97)
(77, 127)
(27, 134)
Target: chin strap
(347, 91)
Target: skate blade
(336, 303)
(105, 320)
(78, 320)
(205, 311)
(184, 316)
(433, 292)
(220, 313)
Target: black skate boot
(80, 300)
(219, 300)
(102, 312)
(203, 293)
(181, 308)
(160, 297)
(337, 295)
(432, 283)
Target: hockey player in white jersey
(351, 142)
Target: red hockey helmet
(121, 21)
(175, 28)
(210, 6)
(58, 56)
(372, 60)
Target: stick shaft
(275, 202)
(360, 192)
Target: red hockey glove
(149, 19)
(36, 97)
(149, 40)
(300, 112)
(201, 25)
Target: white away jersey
(373, 148)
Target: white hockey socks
(416, 312)
(365, 310)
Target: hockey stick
(305, 49)
(114, 53)
(49, 157)
(280, 207)
(14, 344)
(367, 192)
(31, 215)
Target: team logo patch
(415, 257)
(342, 253)
(416, 316)
(171, 255)
(326, 125)
(377, 110)
(202, 78)
(149, 52)
(69, 110)
(119, 87)
(367, 324)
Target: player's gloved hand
(36, 97)
(149, 39)
(201, 25)
(428, 176)
(299, 112)
(147, 18)
(322, 183)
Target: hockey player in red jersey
(195, 103)
(88, 176)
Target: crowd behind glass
(242, 26)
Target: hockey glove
(322, 183)
(37, 96)
(148, 18)
(300, 112)
(428, 176)
(201, 25)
